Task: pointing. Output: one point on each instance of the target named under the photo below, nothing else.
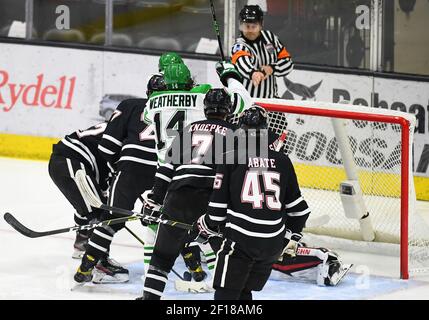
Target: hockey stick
(18, 226)
(95, 202)
(172, 270)
(142, 242)
(281, 140)
(216, 29)
(134, 235)
(129, 216)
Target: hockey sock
(99, 243)
(227, 294)
(154, 283)
(80, 220)
(246, 295)
(149, 234)
(210, 255)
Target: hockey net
(350, 161)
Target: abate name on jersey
(261, 163)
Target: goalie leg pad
(319, 264)
(332, 271)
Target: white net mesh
(311, 144)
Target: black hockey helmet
(253, 118)
(155, 83)
(251, 14)
(217, 102)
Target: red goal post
(357, 114)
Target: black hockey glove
(201, 232)
(226, 70)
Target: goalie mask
(253, 118)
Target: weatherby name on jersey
(58, 95)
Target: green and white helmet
(167, 59)
(177, 77)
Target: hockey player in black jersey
(79, 151)
(128, 145)
(257, 201)
(184, 184)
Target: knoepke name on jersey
(173, 100)
(208, 127)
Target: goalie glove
(201, 232)
(225, 71)
(292, 244)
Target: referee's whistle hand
(257, 77)
(268, 71)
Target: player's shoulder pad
(286, 162)
(231, 126)
(128, 106)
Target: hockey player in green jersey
(170, 111)
(191, 252)
(183, 103)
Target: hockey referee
(259, 55)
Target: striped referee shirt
(249, 56)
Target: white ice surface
(43, 268)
